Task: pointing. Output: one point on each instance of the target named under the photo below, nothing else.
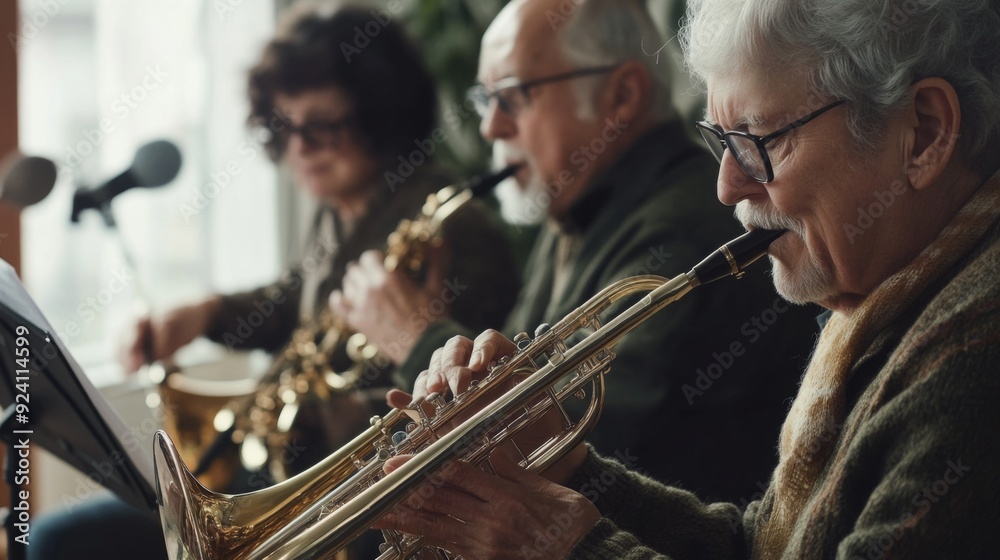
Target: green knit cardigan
(917, 469)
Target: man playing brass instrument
(869, 130)
(622, 192)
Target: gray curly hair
(868, 52)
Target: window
(98, 79)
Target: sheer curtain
(99, 78)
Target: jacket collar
(626, 181)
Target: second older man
(622, 191)
(879, 152)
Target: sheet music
(13, 294)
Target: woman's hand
(158, 338)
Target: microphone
(28, 181)
(155, 164)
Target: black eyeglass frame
(760, 142)
(480, 95)
(308, 131)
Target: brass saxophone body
(204, 422)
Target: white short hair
(867, 52)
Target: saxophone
(322, 510)
(206, 422)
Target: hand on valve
(480, 515)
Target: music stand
(65, 414)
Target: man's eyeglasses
(750, 150)
(512, 95)
(317, 133)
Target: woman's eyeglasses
(317, 133)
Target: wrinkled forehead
(755, 97)
(520, 42)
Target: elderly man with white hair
(869, 129)
(567, 91)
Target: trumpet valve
(399, 437)
(436, 399)
(425, 421)
(522, 341)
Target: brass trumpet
(322, 510)
(259, 422)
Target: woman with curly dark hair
(343, 99)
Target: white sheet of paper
(13, 294)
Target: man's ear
(629, 91)
(935, 117)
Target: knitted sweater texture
(913, 470)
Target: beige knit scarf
(813, 424)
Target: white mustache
(503, 153)
(763, 218)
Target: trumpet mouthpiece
(733, 257)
